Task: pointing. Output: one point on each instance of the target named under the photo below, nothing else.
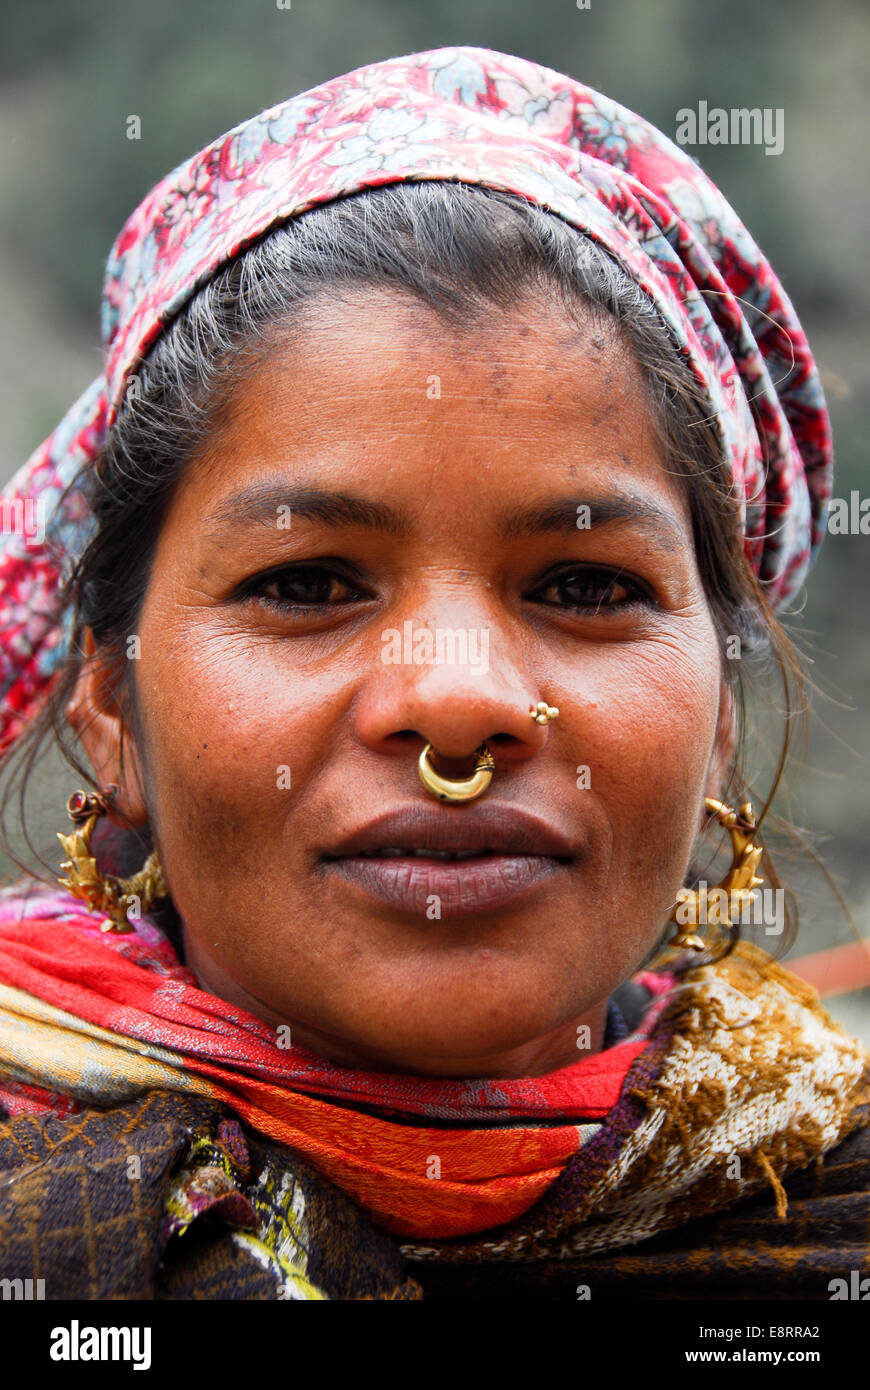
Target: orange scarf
(96, 1019)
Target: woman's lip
(461, 887)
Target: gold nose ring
(467, 788)
(457, 789)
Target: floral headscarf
(479, 117)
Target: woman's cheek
(649, 755)
(651, 707)
(233, 738)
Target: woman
(455, 448)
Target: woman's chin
(460, 1036)
(478, 1054)
(443, 1003)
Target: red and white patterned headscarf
(479, 117)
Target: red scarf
(495, 1148)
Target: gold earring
(105, 892)
(735, 888)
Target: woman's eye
(308, 590)
(303, 590)
(591, 588)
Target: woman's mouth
(424, 853)
(434, 884)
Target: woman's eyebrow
(583, 513)
(265, 503)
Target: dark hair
(462, 250)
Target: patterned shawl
(474, 116)
(735, 1079)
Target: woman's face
(501, 484)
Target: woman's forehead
(376, 380)
(379, 366)
(372, 414)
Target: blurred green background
(72, 71)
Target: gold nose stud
(542, 713)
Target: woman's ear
(95, 712)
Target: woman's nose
(453, 688)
